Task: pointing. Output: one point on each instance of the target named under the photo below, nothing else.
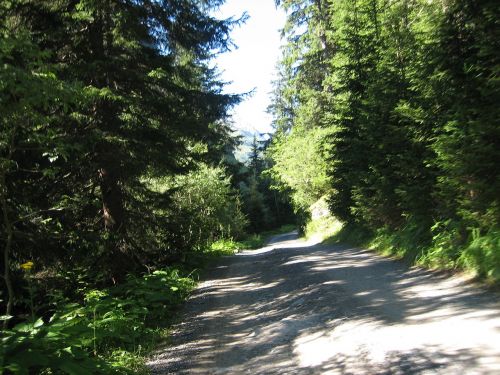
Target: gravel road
(297, 307)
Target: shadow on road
(294, 308)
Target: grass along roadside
(111, 330)
(444, 247)
(197, 261)
(251, 242)
(478, 256)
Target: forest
(118, 176)
(396, 103)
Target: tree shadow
(301, 309)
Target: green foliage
(409, 243)
(250, 242)
(206, 207)
(452, 248)
(105, 334)
(265, 207)
(96, 98)
(446, 245)
(113, 127)
(225, 247)
(300, 166)
(253, 241)
(482, 255)
(407, 92)
(255, 205)
(449, 248)
(322, 225)
(466, 78)
(56, 346)
(354, 235)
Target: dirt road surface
(296, 307)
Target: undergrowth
(444, 247)
(322, 228)
(108, 332)
(253, 241)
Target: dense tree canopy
(407, 92)
(140, 104)
(114, 142)
(117, 155)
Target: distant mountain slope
(243, 151)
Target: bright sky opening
(253, 65)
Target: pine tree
(408, 90)
(149, 98)
(467, 92)
(352, 68)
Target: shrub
(101, 335)
(483, 254)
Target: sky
(252, 66)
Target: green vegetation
(206, 208)
(250, 242)
(108, 332)
(258, 240)
(406, 96)
(118, 180)
(290, 153)
(265, 206)
(322, 226)
(480, 255)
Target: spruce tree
(148, 98)
(467, 92)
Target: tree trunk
(112, 200)
(107, 159)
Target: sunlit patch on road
(300, 308)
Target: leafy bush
(299, 165)
(321, 224)
(445, 248)
(225, 247)
(206, 208)
(483, 254)
(229, 247)
(60, 345)
(103, 334)
(253, 241)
